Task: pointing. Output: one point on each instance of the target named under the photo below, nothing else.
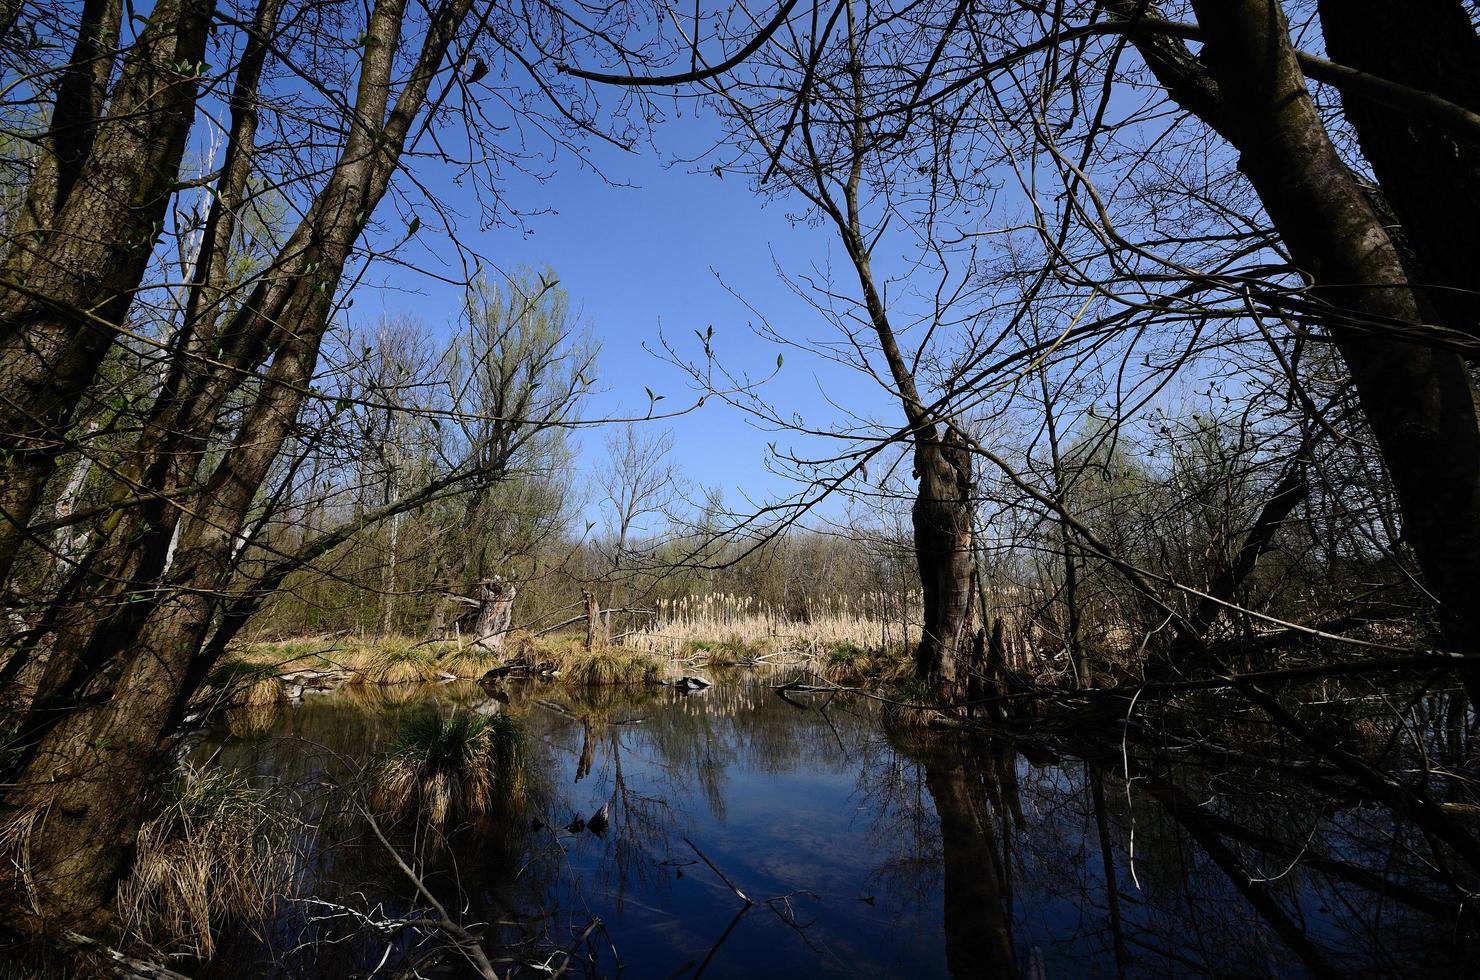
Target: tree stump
(495, 610)
(593, 619)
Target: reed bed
(733, 626)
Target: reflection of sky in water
(942, 837)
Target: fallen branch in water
(570, 953)
(464, 941)
(743, 897)
(125, 966)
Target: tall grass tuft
(612, 666)
(217, 852)
(390, 663)
(239, 683)
(448, 770)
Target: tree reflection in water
(1226, 852)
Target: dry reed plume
(872, 621)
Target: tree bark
(91, 748)
(66, 285)
(593, 620)
(495, 612)
(942, 515)
(1429, 175)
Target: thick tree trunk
(1419, 400)
(91, 750)
(68, 284)
(942, 516)
(1429, 176)
(495, 612)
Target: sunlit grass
(391, 659)
(611, 666)
(728, 628)
(445, 770)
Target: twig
(743, 897)
(571, 952)
(466, 943)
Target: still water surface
(866, 853)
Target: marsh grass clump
(847, 662)
(244, 683)
(216, 852)
(446, 770)
(395, 663)
(911, 707)
(845, 659)
(610, 666)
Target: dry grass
(381, 660)
(216, 852)
(611, 666)
(453, 769)
(15, 852)
(237, 682)
(847, 663)
(731, 625)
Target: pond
(863, 851)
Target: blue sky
(661, 254)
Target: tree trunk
(942, 516)
(593, 620)
(495, 611)
(76, 274)
(1429, 176)
(91, 749)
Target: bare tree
(639, 480)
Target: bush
(610, 667)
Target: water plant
(453, 768)
(215, 852)
(612, 666)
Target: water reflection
(866, 851)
